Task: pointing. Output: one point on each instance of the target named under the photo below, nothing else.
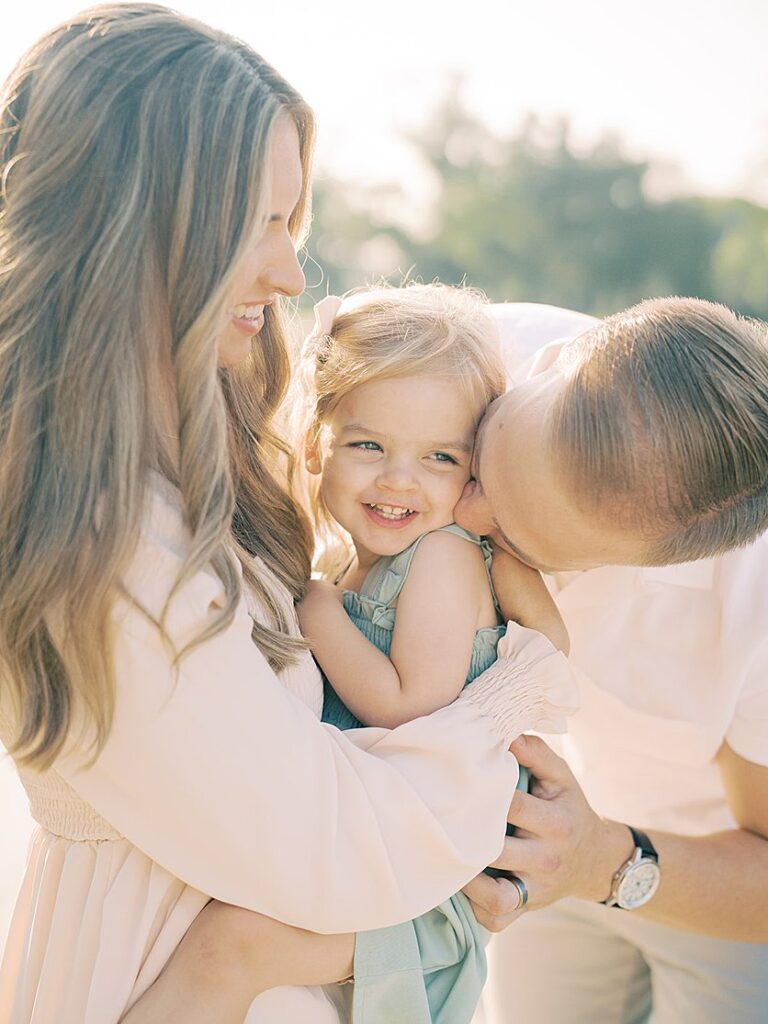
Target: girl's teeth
(392, 511)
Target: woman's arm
(223, 778)
(437, 614)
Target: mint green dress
(431, 970)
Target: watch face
(638, 885)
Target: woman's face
(271, 267)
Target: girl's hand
(318, 595)
(322, 590)
(524, 598)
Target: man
(660, 808)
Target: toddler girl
(406, 617)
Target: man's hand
(494, 901)
(561, 846)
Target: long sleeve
(229, 782)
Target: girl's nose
(397, 476)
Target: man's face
(517, 496)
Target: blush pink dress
(220, 782)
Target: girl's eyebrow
(459, 446)
(359, 428)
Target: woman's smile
(248, 318)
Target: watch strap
(647, 852)
(643, 843)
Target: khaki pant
(582, 963)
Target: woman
(155, 177)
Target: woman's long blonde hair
(384, 334)
(134, 148)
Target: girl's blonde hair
(134, 155)
(389, 333)
(663, 425)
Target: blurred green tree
(529, 218)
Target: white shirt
(674, 660)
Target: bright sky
(683, 81)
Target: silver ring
(522, 891)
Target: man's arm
(716, 885)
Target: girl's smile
(394, 457)
(391, 516)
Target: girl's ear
(312, 460)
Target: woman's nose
(473, 511)
(284, 274)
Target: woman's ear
(312, 460)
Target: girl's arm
(356, 667)
(437, 617)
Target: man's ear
(312, 460)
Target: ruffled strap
(387, 577)
(530, 686)
(361, 606)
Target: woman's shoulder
(163, 545)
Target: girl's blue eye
(366, 446)
(445, 457)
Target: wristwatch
(638, 878)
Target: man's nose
(473, 511)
